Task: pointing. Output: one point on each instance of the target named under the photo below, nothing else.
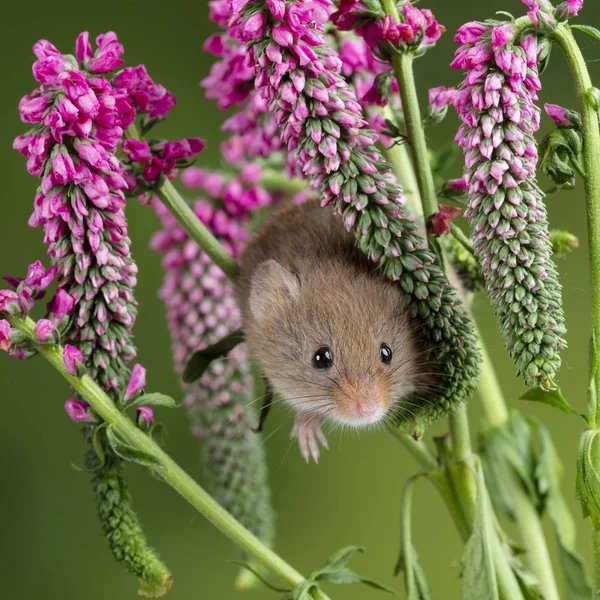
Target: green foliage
(479, 577)
(551, 397)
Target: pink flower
(77, 410)
(138, 151)
(73, 359)
(440, 222)
(558, 114)
(5, 331)
(501, 35)
(146, 413)
(423, 22)
(347, 15)
(181, 149)
(276, 8)
(44, 329)
(61, 305)
(37, 277)
(9, 302)
(440, 97)
(137, 381)
(574, 6)
(457, 184)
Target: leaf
(415, 582)
(589, 30)
(154, 399)
(303, 591)
(592, 400)
(479, 577)
(201, 359)
(335, 571)
(258, 575)
(528, 582)
(551, 398)
(127, 452)
(97, 444)
(576, 578)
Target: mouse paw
(307, 428)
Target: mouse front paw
(307, 428)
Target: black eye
(323, 358)
(386, 354)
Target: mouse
(333, 337)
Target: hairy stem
(417, 448)
(185, 216)
(168, 470)
(591, 161)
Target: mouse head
(336, 342)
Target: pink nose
(365, 410)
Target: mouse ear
(271, 284)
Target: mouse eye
(385, 353)
(323, 358)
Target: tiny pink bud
(5, 331)
(9, 302)
(276, 8)
(146, 413)
(72, 359)
(77, 410)
(558, 114)
(44, 330)
(136, 382)
(574, 6)
(440, 222)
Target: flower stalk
(167, 469)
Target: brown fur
(325, 292)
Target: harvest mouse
(331, 334)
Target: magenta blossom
(5, 331)
(146, 413)
(440, 222)
(9, 302)
(574, 6)
(37, 277)
(137, 381)
(61, 305)
(440, 97)
(73, 359)
(502, 34)
(559, 115)
(44, 329)
(77, 410)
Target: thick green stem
(169, 471)
(185, 216)
(461, 437)
(278, 181)
(591, 161)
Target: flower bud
(5, 332)
(44, 329)
(77, 410)
(137, 381)
(73, 360)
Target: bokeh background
(51, 545)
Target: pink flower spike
(44, 329)
(73, 360)
(146, 413)
(5, 331)
(77, 410)
(136, 382)
(61, 305)
(558, 114)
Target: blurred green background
(52, 546)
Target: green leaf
(341, 558)
(528, 582)
(479, 577)
(589, 30)
(154, 399)
(127, 452)
(576, 578)
(415, 582)
(259, 576)
(97, 444)
(551, 398)
(200, 360)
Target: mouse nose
(361, 399)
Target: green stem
(169, 470)
(186, 217)
(596, 547)
(591, 163)
(278, 181)
(459, 236)
(459, 432)
(417, 448)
